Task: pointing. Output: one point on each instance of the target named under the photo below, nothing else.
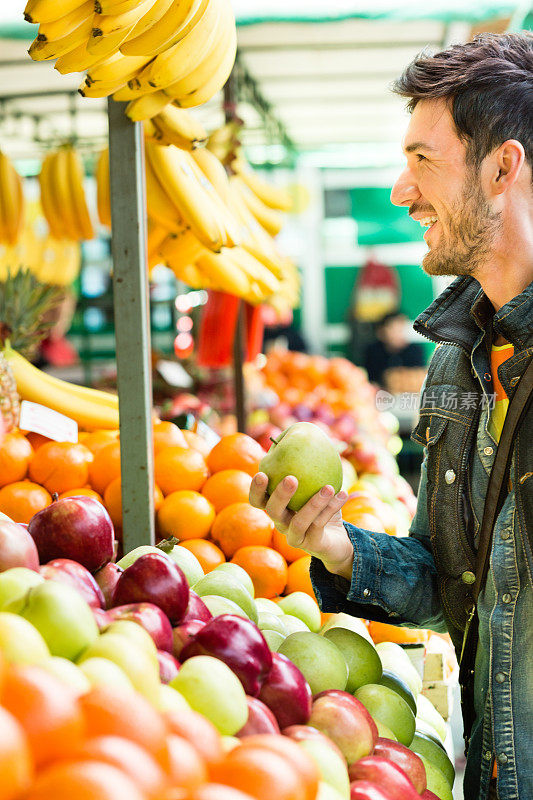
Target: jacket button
(488, 451)
(468, 577)
(505, 534)
(499, 677)
(506, 598)
(449, 476)
(366, 592)
(514, 381)
(501, 758)
(487, 755)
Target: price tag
(174, 374)
(43, 420)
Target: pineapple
(24, 321)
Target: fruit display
(63, 197)
(11, 202)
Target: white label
(174, 374)
(43, 420)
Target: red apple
(183, 633)
(260, 719)
(265, 436)
(151, 618)
(237, 642)
(349, 698)
(156, 579)
(64, 570)
(365, 790)
(386, 775)
(75, 527)
(196, 609)
(427, 795)
(411, 764)
(107, 579)
(345, 720)
(286, 692)
(302, 732)
(102, 620)
(17, 548)
(168, 666)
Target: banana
(181, 248)
(54, 48)
(59, 261)
(116, 67)
(220, 66)
(50, 211)
(115, 6)
(106, 46)
(76, 60)
(151, 17)
(139, 83)
(270, 220)
(254, 269)
(177, 61)
(77, 193)
(178, 127)
(159, 206)
(106, 24)
(11, 200)
(103, 201)
(90, 411)
(173, 169)
(48, 10)
(64, 25)
(258, 243)
(147, 106)
(223, 274)
(62, 196)
(190, 275)
(100, 89)
(175, 23)
(126, 94)
(232, 231)
(272, 196)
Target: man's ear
(508, 161)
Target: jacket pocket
(429, 428)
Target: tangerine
(198, 731)
(182, 762)
(167, 434)
(105, 466)
(197, 442)
(298, 579)
(218, 791)
(113, 500)
(84, 780)
(22, 499)
(60, 466)
(180, 468)
(383, 632)
(297, 757)
(260, 772)
(266, 567)
(236, 451)
(83, 491)
(226, 487)
(15, 761)
(15, 456)
(185, 515)
(289, 553)
(364, 519)
(207, 553)
(95, 440)
(37, 439)
(240, 524)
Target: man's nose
(405, 191)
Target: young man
(469, 151)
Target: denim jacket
(424, 580)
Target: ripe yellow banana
(213, 171)
(103, 200)
(173, 169)
(48, 10)
(90, 411)
(175, 23)
(100, 89)
(54, 48)
(232, 234)
(79, 204)
(178, 127)
(223, 274)
(76, 60)
(51, 213)
(270, 220)
(116, 67)
(256, 240)
(115, 6)
(159, 206)
(152, 17)
(181, 247)
(64, 25)
(254, 269)
(11, 201)
(112, 23)
(62, 195)
(105, 46)
(190, 275)
(220, 68)
(147, 106)
(272, 196)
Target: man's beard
(472, 230)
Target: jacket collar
(462, 310)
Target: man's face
(438, 186)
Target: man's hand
(316, 528)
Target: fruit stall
(160, 639)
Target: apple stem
(166, 545)
(274, 441)
(55, 497)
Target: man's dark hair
(489, 85)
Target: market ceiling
(325, 68)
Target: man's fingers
(307, 515)
(332, 508)
(258, 490)
(276, 506)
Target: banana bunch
(224, 142)
(11, 202)
(176, 126)
(92, 409)
(271, 196)
(63, 197)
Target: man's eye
(420, 157)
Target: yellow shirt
(501, 401)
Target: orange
(15, 761)
(289, 553)
(226, 487)
(84, 491)
(60, 466)
(236, 451)
(207, 553)
(105, 466)
(298, 579)
(113, 711)
(95, 440)
(197, 442)
(198, 731)
(180, 468)
(217, 791)
(15, 456)
(364, 519)
(266, 567)
(297, 757)
(113, 500)
(84, 780)
(185, 515)
(182, 762)
(21, 500)
(260, 772)
(240, 524)
(166, 434)
(46, 709)
(383, 632)
(37, 439)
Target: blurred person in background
(392, 349)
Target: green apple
(20, 642)
(384, 732)
(131, 557)
(187, 562)
(68, 673)
(135, 632)
(210, 687)
(327, 792)
(428, 730)
(171, 700)
(342, 620)
(395, 660)
(227, 586)
(303, 606)
(15, 583)
(426, 711)
(273, 639)
(349, 475)
(263, 604)
(136, 662)
(103, 672)
(294, 624)
(271, 622)
(305, 451)
(395, 683)
(332, 768)
(221, 605)
(62, 616)
(364, 665)
(386, 705)
(239, 573)
(435, 753)
(320, 661)
(436, 780)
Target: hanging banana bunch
(11, 202)
(63, 196)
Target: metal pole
(132, 325)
